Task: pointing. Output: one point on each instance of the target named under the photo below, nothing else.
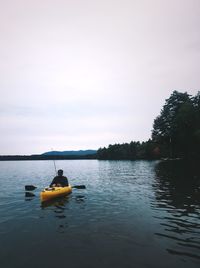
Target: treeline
(131, 151)
(175, 134)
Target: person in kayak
(60, 180)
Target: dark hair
(60, 172)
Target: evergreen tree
(168, 126)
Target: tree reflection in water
(177, 197)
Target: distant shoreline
(45, 157)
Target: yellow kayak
(50, 193)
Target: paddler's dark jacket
(62, 180)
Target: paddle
(32, 187)
(79, 186)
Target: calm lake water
(132, 214)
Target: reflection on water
(59, 207)
(80, 198)
(59, 202)
(29, 196)
(177, 193)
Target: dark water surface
(132, 214)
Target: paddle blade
(79, 186)
(30, 187)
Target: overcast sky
(83, 74)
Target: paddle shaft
(32, 187)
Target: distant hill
(72, 153)
(52, 155)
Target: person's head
(60, 172)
